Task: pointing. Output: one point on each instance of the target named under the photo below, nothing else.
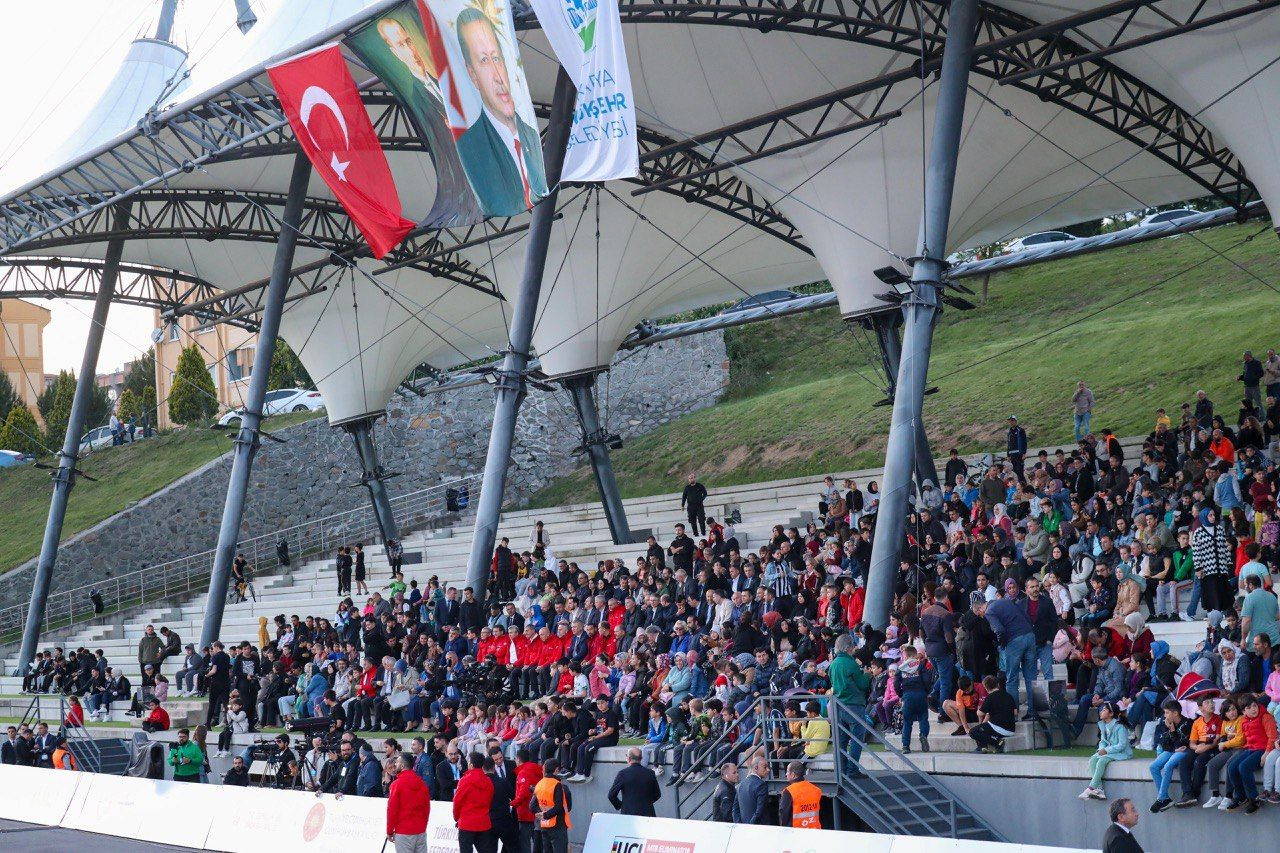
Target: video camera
(264, 750)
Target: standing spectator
(913, 682)
(1258, 614)
(185, 758)
(635, 788)
(217, 681)
(1271, 374)
(408, 808)
(1082, 405)
(502, 818)
(1119, 836)
(1016, 447)
(1211, 554)
(395, 555)
(150, 649)
(681, 550)
(471, 804)
(752, 793)
(1016, 638)
(528, 775)
(691, 500)
(724, 802)
(850, 685)
(551, 805)
(937, 626)
(1251, 376)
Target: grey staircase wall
(426, 440)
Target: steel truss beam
(138, 284)
(1078, 77)
(247, 121)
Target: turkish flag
(324, 108)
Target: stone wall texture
(425, 440)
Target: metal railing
(190, 574)
(872, 786)
(88, 754)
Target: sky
(61, 75)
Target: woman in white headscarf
(1234, 673)
(1000, 518)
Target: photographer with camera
(342, 780)
(285, 762)
(313, 764)
(185, 758)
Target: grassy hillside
(123, 475)
(797, 405)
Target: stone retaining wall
(426, 440)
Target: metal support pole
(373, 476)
(510, 389)
(886, 326)
(164, 27)
(595, 440)
(246, 441)
(245, 19)
(64, 477)
(920, 309)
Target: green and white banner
(586, 36)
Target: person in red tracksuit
(471, 802)
(550, 650)
(408, 808)
(516, 648)
(528, 774)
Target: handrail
(77, 732)
(872, 769)
(185, 575)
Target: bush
(20, 432)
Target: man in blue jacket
(1016, 447)
(752, 793)
(1016, 638)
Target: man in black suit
(503, 777)
(9, 749)
(1119, 837)
(45, 744)
(26, 748)
(635, 788)
(448, 772)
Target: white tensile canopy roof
(1026, 164)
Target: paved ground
(28, 838)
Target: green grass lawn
(797, 405)
(124, 474)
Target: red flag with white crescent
(324, 108)
(453, 112)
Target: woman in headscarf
(1000, 518)
(1135, 630)
(1211, 555)
(1234, 672)
(1129, 586)
(264, 639)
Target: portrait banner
(586, 36)
(398, 48)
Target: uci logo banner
(586, 36)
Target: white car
(100, 437)
(278, 402)
(1166, 216)
(1037, 240)
(12, 459)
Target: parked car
(12, 459)
(100, 437)
(1037, 240)
(1166, 216)
(278, 402)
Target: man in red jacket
(471, 803)
(528, 774)
(408, 808)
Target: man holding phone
(186, 758)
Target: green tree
(286, 369)
(8, 396)
(46, 398)
(99, 411)
(127, 406)
(55, 420)
(149, 404)
(142, 375)
(193, 398)
(20, 432)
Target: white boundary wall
(611, 833)
(235, 819)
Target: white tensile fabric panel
(591, 300)
(1196, 69)
(360, 339)
(148, 69)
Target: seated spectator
(997, 717)
(157, 719)
(1173, 746)
(1113, 745)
